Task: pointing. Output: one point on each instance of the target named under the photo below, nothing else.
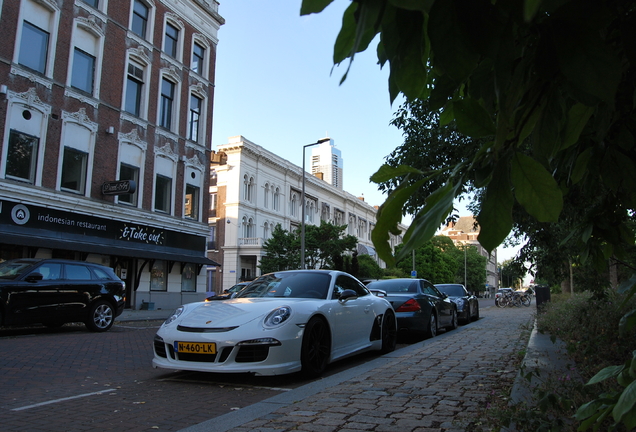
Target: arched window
(248, 188)
(244, 226)
(266, 196)
(265, 231)
(293, 203)
(276, 202)
(249, 233)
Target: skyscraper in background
(326, 163)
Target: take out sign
(119, 187)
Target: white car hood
(230, 313)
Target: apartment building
(252, 190)
(106, 121)
(465, 231)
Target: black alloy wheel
(316, 348)
(453, 323)
(389, 332)
(432, 326)
(101, 316)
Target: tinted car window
(344, 282)
(396, 285)
(291, 284)
(452, 290)
(77, 272)
(430, 290)
(50, 271)
(12, 269)
(102, 275)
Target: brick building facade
(105, 125)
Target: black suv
(54, 291)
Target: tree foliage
(325, 246)
(440, 261)
(552, 82)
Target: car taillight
(411, 305)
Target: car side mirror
(348, 294)
(34, 277)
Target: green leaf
(608, 372)
(447, 115)
(625, 403)
(472, 119)
(387, 172)
(313, 6)
(451, 49)
(388, 217)
(346, 37)
(495, 217)
(420, 5)
(586, 60)
(587, 410)
(535, 189)
(627, 322)
(578, 117)
(423, 227)
(580, 166)
(530, 8)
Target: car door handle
(366, 309)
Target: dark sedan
(420, 308)
(467, 304)
(54, 292)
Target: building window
(212, 239)
(83, 71)
(266, 196)
(276, 203)
(248, 188)
(213, 205)
(140, 19)
(34, 47)
(22, 157)
(172, 37)
(192, 202)
(198, 57)
(94, 3)
(189, 278)
(292, 205)
(129, 172)
(163, 193)
(248, 227)
(193, 120)
(167, 103)
(265, 231)
(134, 89)
(74, 170)
(159, 276)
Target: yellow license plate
(195, 347)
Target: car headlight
(174, 315)
(277, 316)
(460, 303)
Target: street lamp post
(302, 203)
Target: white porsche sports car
(284, 322)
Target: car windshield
(395, 285)
(452, 290)
(13, 269)
(289, 285)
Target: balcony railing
(250, 241)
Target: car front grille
(252, 353)
(160, 348)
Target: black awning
(152, 252)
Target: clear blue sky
(276, 87)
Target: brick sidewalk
(438, 385)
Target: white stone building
(253, 190)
